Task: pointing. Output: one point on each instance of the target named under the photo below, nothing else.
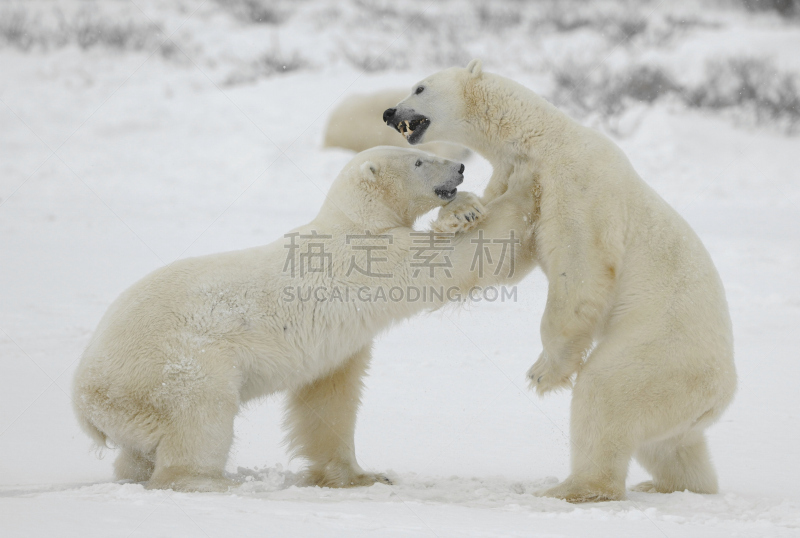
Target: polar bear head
(386, 187)
(436, 106)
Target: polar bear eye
(418, 163)
(419, 90)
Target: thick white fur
(636, 315)
(179, 352)
(356, 124)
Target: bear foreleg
(321, 419)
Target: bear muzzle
(447, 191)
(407, 123)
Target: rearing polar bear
(635, 307)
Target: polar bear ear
(370, 170)
(475, 68)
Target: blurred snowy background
(135, 132)
(596, 58)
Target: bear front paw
(338, 477)
(646, 487)
(575, 490)
(544, 376)
(460, 215)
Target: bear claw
(459, 215)
(544, 376)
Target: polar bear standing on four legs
(179, 352)
(636, 319)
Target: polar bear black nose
(461, 170)
(388, 114)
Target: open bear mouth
(412, 129)
(446, 194)
(447, 190)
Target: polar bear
(179, 352)
(636, 319)
(355, 124)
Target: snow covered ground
(115, 162)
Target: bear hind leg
(133, 465)
(603, 436)
(193, 449)
(677, 464)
